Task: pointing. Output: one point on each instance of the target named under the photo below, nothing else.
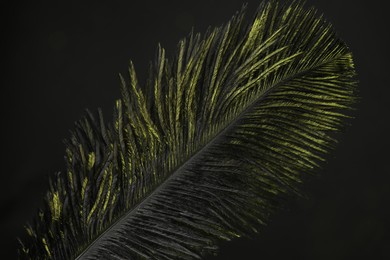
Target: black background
(63, 57)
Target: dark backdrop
(63, 57)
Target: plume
(207, 148)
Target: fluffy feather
(205, 150)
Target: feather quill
(206, 149)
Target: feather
(206, 149)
